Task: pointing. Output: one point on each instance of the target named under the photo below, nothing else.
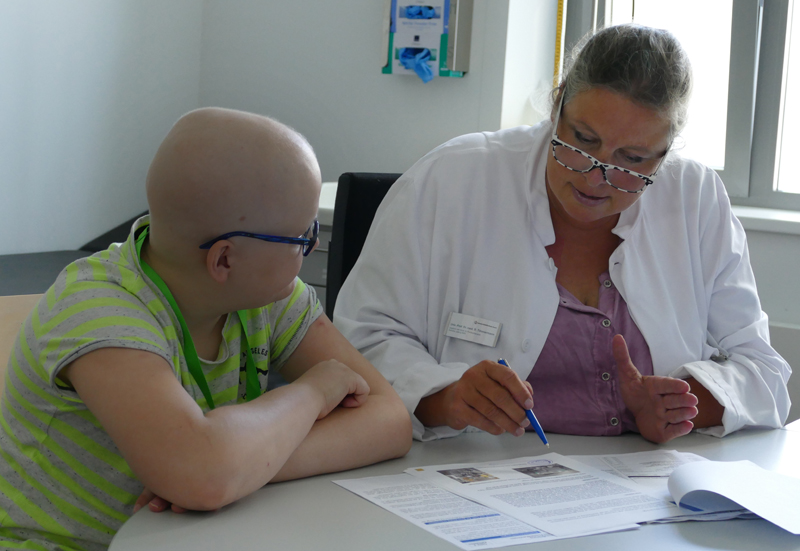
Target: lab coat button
(614, 421)
(526, 345)
(606, 376)
(606, 323)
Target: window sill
(752, 218)
(768, 220)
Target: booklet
(720, 484)
(652, 470)
(530, 499)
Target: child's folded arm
(347, 438)
(199, 461)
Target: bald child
(143, 371)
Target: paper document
(652, 470)
(653, 464)
(555, 493)
(718, 484)
(462, 522)
(453, 518)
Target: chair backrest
(14, 311)
(358, 196)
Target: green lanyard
(192, 360)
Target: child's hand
(337, 385)
(157, 504)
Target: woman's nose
(595, 177)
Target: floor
(27, 274)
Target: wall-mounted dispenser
(427, 38)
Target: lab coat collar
(538, 204)
(629, 218)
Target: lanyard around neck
(190, 353)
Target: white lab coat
(465, 230)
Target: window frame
(768, 112)
(758, 47)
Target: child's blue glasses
(305, 241)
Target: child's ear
(218, 260)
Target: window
(789, 120)
(746, 101)
(706, 37)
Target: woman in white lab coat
(609, 272)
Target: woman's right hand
(488, 396)
(336, 384)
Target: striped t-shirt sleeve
(86, 316)
(289, 320)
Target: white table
(315, 514)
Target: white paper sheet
(709, 484)
(652, 470)
(453, 518)
(652, 464)
(555, 493)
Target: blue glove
(417, 59)
(420, 12)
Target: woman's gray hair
(646, 65)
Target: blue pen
(529, 412)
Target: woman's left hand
(663, 406)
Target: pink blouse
(575, 383)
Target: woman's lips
(588, 200)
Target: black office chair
(358, 196)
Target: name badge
(472, 329)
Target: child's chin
(284, 293)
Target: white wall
(318, 70)
(88, 90)
(776, 263)
(775, 258)
(91, 86)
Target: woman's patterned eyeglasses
(576, 160)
